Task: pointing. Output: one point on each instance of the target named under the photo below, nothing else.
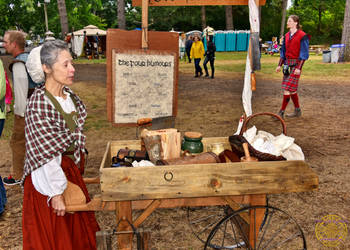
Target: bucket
(326, 56)
(337, 54)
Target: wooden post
(145, 24)
(194, 2)
(256, 217)
(124, 214)
(103, 240)
(252, 74)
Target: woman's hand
(58, 205)
(278, 69)
(297, 72)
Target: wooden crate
(200, 180)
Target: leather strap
(30, 92)
(68, 153)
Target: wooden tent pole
(145, 24)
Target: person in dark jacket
(188, 46)
(210, 57)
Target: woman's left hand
(297, 72)
(58, 205)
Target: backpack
(23, 59)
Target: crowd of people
(48, 143)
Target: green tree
(14, 15)
(63, 17)
(322, 19)
(121, 14)
(271, 16)
(346, 31)
(284, 13)
(229, 18)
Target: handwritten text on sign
(144, 86)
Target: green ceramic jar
(192, 142)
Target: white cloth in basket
(275, 145)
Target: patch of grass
(230, 55)
(230, 68)
(313, 69)
(82, 60)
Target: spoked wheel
(278, 230)
(203, 219)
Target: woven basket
(236, 141)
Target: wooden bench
(317, 49)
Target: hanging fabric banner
(251, 57)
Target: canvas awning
(91, 30)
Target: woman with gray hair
(55, 147)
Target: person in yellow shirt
(197, 53)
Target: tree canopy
(322, 19)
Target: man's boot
(280, 114)
(212, 73)
(296, 113)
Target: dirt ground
(213, 107)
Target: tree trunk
(63, 17)
(346, 31)
(319, 21)
(204, 22)
(229, 19)
(121, 14)
(283, 21)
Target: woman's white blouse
(50, 179)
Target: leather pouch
(286, 70)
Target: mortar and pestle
(247, 156)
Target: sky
(289, 3)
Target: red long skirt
(43, 230)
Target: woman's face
(291, 24)
(62, 70)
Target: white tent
(77, 40)
(91, 30)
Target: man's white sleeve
(20, 85)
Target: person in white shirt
(55, 159)
(14, 42)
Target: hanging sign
(194, 2)
(143, 83)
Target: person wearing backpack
(23, 86)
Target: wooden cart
(125, 189)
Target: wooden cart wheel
(203, 219)
(280, 231)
